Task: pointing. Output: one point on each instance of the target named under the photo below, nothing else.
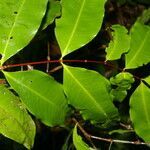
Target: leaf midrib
(74, 28)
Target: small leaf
(42, 95)
(78, 142)
(80, 22)
(15, 122)
(145, 17)
(123, 80)
(119, 131)
(118, 94)
(88, 91)
(54, 10)
(140, 112)
(19, 22)
(139, 52)
(119, 44)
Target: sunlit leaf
(41, 94)
(78, 142)
(54, 10)
(80, 22)
(139, 53)
(119, 44)
(88, 92)
(19, 22)
(15, 122)
(140, 112)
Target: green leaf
(140, 112)
(78, 142)
(123, 80)
(118, 94)
(88, 91)
(80, 22)
(42, 95)
(119, 131)
(19, 22)
(15, 122)
(145, 17)
(147, 80)
(54, 10)
(119, 44)
(139, 52)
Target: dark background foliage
(123, 12)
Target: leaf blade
(18, 24)
(42, 101)
(139, 53)
(139, 110)
(70, 28)
(54, 10)
(78, 142)
(15, 122)
(81, 84)
(118, 46)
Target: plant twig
(120, 141)
(55, 69)
(66, 61)
(110, 145)
(48, 57)
(88, 136)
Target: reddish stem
(64, 61)
(58, 61)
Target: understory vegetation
(74, 74)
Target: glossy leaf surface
(80, 22)
(139, 53)
(42, 95)
(54, 10)
(19, 22)
(119, 44)
(78, 142)
(140, 112)
(88, 92)
(15, 122)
